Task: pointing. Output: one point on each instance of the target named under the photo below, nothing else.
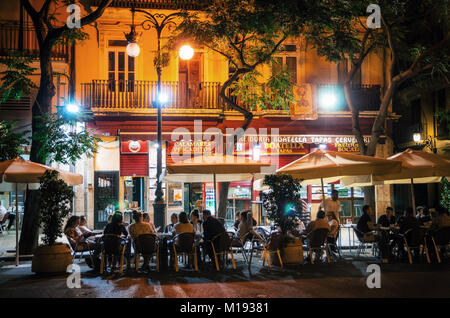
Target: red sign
(134, 146)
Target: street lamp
(186, 52)
(159, 22)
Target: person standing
(332, 204)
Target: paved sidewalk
(344, 279)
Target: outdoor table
(163, 249)
(351, 236)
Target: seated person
(183, 225)
(419, 212)
(245, 225)
(365, 224)
(195, 221)
(388, 219)
(441, 220)
(83, 226)
(73, 233)
(138, 228)
(173, 220)
(146, 219)
(408, 221)
(211, 228)
(237, 221)
(299, 227)
(319, 223)
(116, 226)
(334, 227)
(425, 220)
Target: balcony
(154, 4)
(140, 95)
(330, 97)
(9, 40)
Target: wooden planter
(51, 259)
(291, 254)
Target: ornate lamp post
(159, 22)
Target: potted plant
(282, 203)
(56, 195)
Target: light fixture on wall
(427, 142)
(417, 137)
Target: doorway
(189, 80)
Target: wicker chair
(415, 238)
(221, 245)
(441, 239)
(317, 241)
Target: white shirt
(330, 205)
(2, 212)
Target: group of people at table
(205, 230)
(387, 231)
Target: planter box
(291, 254)
(51, 259)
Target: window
(442, 130)
(287, 59)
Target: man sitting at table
(366, 226)
(211, 228)
(388, 219)
(140, 227)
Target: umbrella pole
(413, 198)
(323, 192)
(215, 195)
(17, 226)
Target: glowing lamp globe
(186, 52)
(163, 98)
(73, 108)
(417, 137)
(133, 49)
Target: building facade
(120, 91)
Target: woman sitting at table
(116, 226)
(195, 221)
(183, 225)
(83, 227)
(334, 228)
(245, 225)
(146, 219)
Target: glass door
(106, 195)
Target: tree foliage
(61, 142)
(11, 142)
(56, 197)
(15, 81)
(282, 202)
(445, 194)
(415, 33)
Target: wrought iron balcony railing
(10, 37)
(155, 4)
(134, 95)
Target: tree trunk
(30, 226)
(223, 200)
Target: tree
(248, 33)
(11, 143)
(416, 34)
(49, 31)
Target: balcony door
(189, 81)
(121, 71)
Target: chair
(415, 238)
(364, 240)
(240, 243)
(3, 222)
(112, 245)
(79, 248)
(440, 239)
(184, 243)
(317, 241)
(272, 246)
(146, 245)
(335, 244)
(221, 244)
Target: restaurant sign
(134, 146)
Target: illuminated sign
(134, 146)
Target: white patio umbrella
(17, 174)
(416, 167)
